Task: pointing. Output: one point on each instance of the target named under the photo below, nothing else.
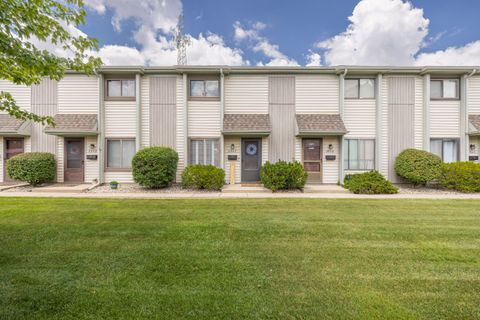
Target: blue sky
(286, 32)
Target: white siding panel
(20, 93)
(330, 168)
(91, 166)
(317, 94)
(265, 148)
(298, 149)
(78, 94)
(180, 143)
(145, 100)
(246, 94)
(204, 118)
(119, 176)
(384, 148)
(418, 138)
(120, 119)
(359, 117)
(228, 141)
(444, 118)
(473, 98)
(60, 160)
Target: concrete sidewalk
(219, 195)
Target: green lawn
(239, 259)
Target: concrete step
(237, 188)
(63, 188)
(324, 188)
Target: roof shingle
(320, 124)
(74, 123)
(246, 123)
(9, 123)
(474, 123)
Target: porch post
(101, 130)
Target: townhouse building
(334, 120)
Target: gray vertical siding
(401, 116)
(163, 111)
(281, 95)
(44, 103)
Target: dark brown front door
(251, 159)
(312, 159)
(74, 160)
(13, 146)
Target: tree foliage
(26, 23)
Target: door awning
(320, 125)
(11, 126)
(474, 124)
(74, 125)
(246, 124)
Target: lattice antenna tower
(182, 41)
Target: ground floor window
(447, 149)
(359, 154)
(205, 151)
(120, 153)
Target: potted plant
(113, 185)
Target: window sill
(118, 169)
(203, 98)
(120, 98)
(444, 99)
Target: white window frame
(346, 160)
(443, 140)
(358, 88)
(121, 97)
(442, 81)
(122, 167)
(215, 158)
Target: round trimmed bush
(205, 177)
(369, 183)
(283, 175)
(460, 176)
(417, 166)
(155, 167)
(33, 167)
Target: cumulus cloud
(314, 59)
(468, 55)
(380, 32)
(155, 22)
(261, 44)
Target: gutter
(138, 106)
(464, 125)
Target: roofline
(176, 69)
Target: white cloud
(261, 44)
(468, 55)
(155, 21)
(380, 32)
(314, 59)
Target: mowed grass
(239, 259)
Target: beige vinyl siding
(444, 118)
(60, 158)
(91, 166)
(265, 148)
(20, 93)
(384, 147)
(120, 119)
(475, 140)
(180, 136)
(237, 141)
(119, 176)
(330, 167)
(204, 119)
(2, 154)
(418, 117)
(163, 111)
(316, 93)
(246, 94)
(44, 103)
(473, 95)
(298, 149)
(145, 100)
(359, 117)
(78, 94)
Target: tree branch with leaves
(26, 22)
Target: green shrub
(460, 176)
(34, 167)
(155, 167)
(369, 183)
(283, 175)
(418, 166)
(205, 177)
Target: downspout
(138, 105)
(101, 130)
(222, 111)
(466, 143)
(185, 122)
(341, 102)
(378, 117)
(426, 112)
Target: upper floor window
(120, 88)
(444, 89)
(204, 88)
(360, 88)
